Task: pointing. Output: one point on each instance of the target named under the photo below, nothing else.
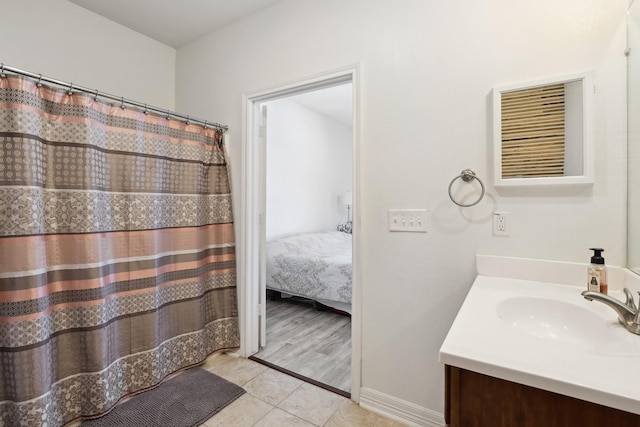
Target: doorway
(308, 240)
(336, 213)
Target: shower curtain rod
(71, 88)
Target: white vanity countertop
(600, 365)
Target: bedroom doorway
(305, 165)
(307, 235)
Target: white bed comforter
(311, 265)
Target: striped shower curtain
(117, 254)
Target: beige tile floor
(276, 399)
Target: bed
(316, 266)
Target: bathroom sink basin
(554, 320)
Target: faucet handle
(629, 299)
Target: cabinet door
(477, 400)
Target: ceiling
(176, 23)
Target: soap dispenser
(597, 280)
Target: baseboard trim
(399, 410)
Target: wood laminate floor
(315, 344)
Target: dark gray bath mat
(186, 400)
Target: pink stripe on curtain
(117, 252)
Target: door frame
(251, 302)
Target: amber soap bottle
(597, 280)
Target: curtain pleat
(117, 252)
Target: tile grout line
(280, 401)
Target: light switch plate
(412, 220)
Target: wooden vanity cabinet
(477, 400)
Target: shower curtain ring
(122, 102)
(39, 83)
(188, 122)
(95, 97)
(168, 116)
(70, 91)
(146, 111)
(2, 74)
(205, 125)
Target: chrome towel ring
(467, 175)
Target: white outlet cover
(501, 226)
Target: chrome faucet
(628, 313)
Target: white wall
(308, 170)
(63, 41)
(427, 69)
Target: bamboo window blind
(533, 132)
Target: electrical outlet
(501, 223)
(408, 220)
